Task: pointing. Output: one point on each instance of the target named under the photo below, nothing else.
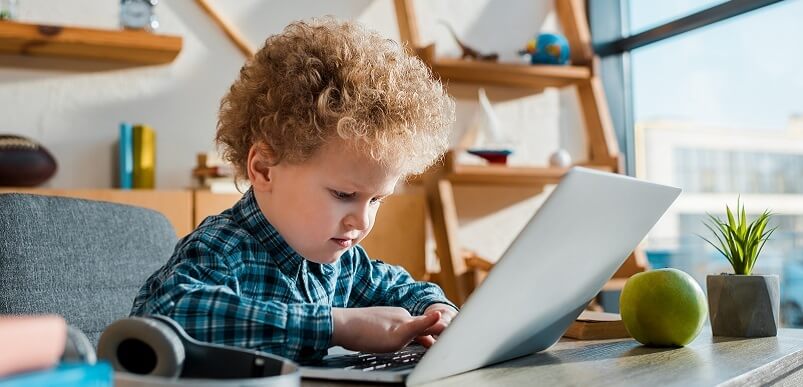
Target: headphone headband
(157, 346)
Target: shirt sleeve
(379, 284)
(202, 294)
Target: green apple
(663, 308)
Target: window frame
(612, 42)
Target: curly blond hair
(323, 79)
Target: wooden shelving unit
(137, 47)
(458, 275)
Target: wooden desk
(623, 362)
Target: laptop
(560, 260)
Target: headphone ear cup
(143, 346)
(78, 348)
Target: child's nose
(359, 219)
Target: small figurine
(496, 146)
(468, 52)
(547, 48)
(560, 158)
(492, 156)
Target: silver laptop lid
(561, 259)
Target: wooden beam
(599, 126)
(573, 19)
(443, 214)
(408, 27)
(230, 31)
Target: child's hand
(381, 328)
(447, 313)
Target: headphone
(78, 348)
(157, 346)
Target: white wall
(74, 107)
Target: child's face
(325, 205)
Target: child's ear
(260, 161)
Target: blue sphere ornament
(550, 49)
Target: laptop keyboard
(392, 361)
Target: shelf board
(505, 175)
(508, 74)
(129, 46)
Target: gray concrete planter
(744, 305)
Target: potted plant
(742, 304)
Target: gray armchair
(82, 259)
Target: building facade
(763, 169)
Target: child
(324, 121)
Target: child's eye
(377, 201)
(342, 195)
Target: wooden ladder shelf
(458, 275)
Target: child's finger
(426, 341)
(417, 325)
(435, 329)
(445, 317)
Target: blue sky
(746, 72)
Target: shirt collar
(251, 218)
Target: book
(65, 375)
(224, 185)
(144, 171)
(596, 326)
(125, 162)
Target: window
(718, 111)
(742, 73)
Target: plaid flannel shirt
(235, 281)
